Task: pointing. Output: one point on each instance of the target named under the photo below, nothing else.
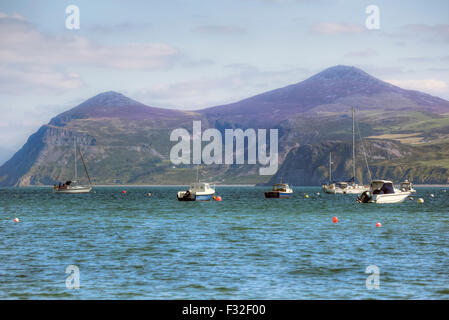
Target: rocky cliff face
(308, 165)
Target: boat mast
(353, 143)
(197, 176)
(76, 172)
(330, 167)
(85, 168)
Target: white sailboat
(345, 187)
(73, 186)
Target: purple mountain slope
(114, 105)
(342, 86)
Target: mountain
(333, 89)
(126, 142)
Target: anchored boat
(73, 186)
(407, 186)
(280, 190)
(383, 191)
(198, 191)
(345, 187)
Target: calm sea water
(245, 247)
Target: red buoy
(16, 220)
(124, 191)
(378, 224)
(334, 219)
(218, 198)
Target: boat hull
(76, 190)
(276, 194)
(194, 197)
(390, 198)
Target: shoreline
(216, 185)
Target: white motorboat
(383, 191)
(73, 186)
(198, 191)
(407, 186)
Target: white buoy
(16, 220)
(420, 200)
(432, 195)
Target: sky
(192, 54)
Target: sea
(113, 245)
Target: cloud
(37, 58)
(40, 80)
(368, 53)
(431, 32)
(332, 28)
(220, 29)
(426, 85)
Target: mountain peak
(109, 99)
(342, 72)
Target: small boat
(280, 190)
(383, 191)
(344, 188)
(407, 186)
(73, 186)
(198, 191)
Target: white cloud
(425, 85)
(333, 28)
(33, 58)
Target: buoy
(16, 220)
(317, 193)
(149, 194)
(432, 195)
(444, 190)
(306, 196)
(420, 200)
(378, 224)
(334, 219)
(218, 198)
(124, 191)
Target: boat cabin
(282, 187)
(382, 187)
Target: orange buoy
(218, 198)
(378, 224)
(16, 220)
(334, 219)
(124, 191)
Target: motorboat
(383, 191)
(280, 190)
(407, 186)
(198, 191)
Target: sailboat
(198, 191)
(345, 187)
(73, 186)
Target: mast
(353, 143)
(197, 176)
(85, 169)
(330, 167)
(76, 172)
